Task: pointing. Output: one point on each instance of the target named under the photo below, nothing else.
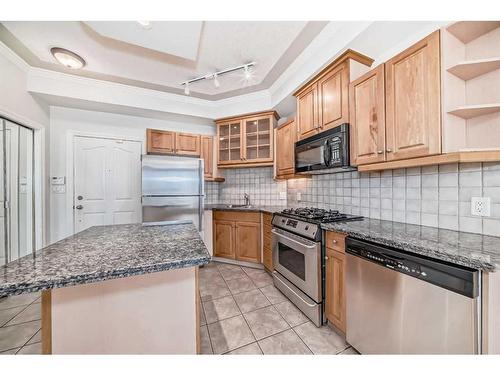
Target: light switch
(282, 194)
(480, 206)
(299, 197)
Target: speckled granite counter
(253, 208)
(468, 249)
(105, 252)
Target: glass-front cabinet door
(230, 144)
(258, 139)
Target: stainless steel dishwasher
(400, 303)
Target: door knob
(79, 207)
(326, 258)
(79, 197)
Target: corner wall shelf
(467, 31)
(471, 111)
(474, 68)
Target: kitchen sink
(238, 206)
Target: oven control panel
(303, 228)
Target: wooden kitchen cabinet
(224, 245)
(267, 251)
(246, 140)
(207, 154)
(187, 144)
(413, 101)
(307, 112)
(333, 100)
(160, 141)
(286, 136)
(323, 102)
(335, 297)
(367, 111)
(172, 143)
(237, 235)
(247, 241)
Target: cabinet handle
(389, 150)
(380, 152)
(326, 258)
(334, 241)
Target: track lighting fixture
(215, 76)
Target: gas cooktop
(318, 215)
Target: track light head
(216, 81)
(186, 88)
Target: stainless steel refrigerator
(172, 190)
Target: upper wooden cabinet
(323, 102)
(207, 154)
(160, 141)
(413, 101)
(307, 113)
(187, 144)
(367, 111)
(172, 143)
(286, 136)
(246, 140)
(333, 99)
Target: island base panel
(148, 314)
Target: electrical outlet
(299, 197)
(480, 206)
(282, 195)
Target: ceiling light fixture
(216, 81)
(67, 58)
(215, 75)
(145, 24)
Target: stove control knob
(307, 227)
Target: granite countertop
(105, 252)
(252, 208)
(468, 249)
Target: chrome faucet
(247, 199)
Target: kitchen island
(119, 289)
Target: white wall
(65, 122)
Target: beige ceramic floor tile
(322, 340)
(229, 334)
(251, 300)
(251, 349)
(243, 284)
(291, 313)
(286, 342)
(265, 322)
(219, 309)
(17, 335)
(273, 294)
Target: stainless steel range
(298, 256)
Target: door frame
(70, 167)
(40, 174)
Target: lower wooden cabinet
(335, 298)
(237, 235)
(267, 251)
(224, 239)
(247, 248)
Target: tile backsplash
(431, 196)
(257, 182)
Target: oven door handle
(273, 231)
(295, 293)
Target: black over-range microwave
(327, 152)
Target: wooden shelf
(215, 179)
(467, 31)
(471, 111)
(471, 69)
(454, 157)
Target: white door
(107, 182)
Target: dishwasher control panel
(400, 265)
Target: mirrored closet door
(16, 191)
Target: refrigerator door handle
(202, 194)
